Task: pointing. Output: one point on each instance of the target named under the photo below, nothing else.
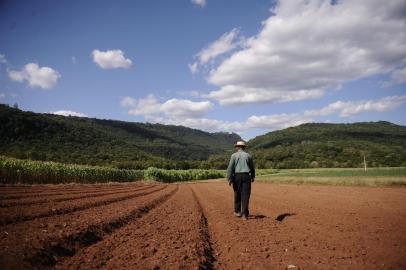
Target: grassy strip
(339, 181)
(390, 177)
(260, 172)
(343, 172)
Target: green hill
(331, 145)
(136, 145)
(106, 142)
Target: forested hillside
(138, 146)
(106, 142)
(332, 145)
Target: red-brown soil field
(192, 226)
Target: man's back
(241, 162)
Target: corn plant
(181, 175)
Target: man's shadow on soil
(281, 217)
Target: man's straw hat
(240, 143)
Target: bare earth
(191, 226)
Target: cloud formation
(226, 43)
(69, 113)
(179, 112)
(307, 47)
(277, 121)
(3, 59)
(43, 77)
(269, 122)
(200, 3)
(350, 108)
(173, 108)
(111, 59)
(399, 76)
(128, 102)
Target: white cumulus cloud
(145, 106)
(276, 121)
(201, 3)
(175, 108)
(194, 68)
(128, 102)
(111, 59)
(399, 76)
(191, 114)
(226, 43)
(268, 122)
(350, 108)
(44, 77)
(3, 59)
(309, 46)
(185, 108)
(69, 113)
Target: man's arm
(252, 168)
(230, 170)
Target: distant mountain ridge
(105, 142)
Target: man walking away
(240, 173)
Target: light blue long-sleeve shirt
(240, 162)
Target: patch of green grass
(345, 177)
(339, 181)
(342, 172)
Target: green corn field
(18, 171)
(169, 176)
(13, 171)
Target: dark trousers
(242, 192)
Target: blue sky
(237, 66)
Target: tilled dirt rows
(310, 227)
(191, 226)
(36, 190)
(25, 212)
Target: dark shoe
(237, 214)
(244, 218)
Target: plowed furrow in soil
(206, 253)
(171, 236)
(56, 250)
(52, 188)
(11, 216)
(69, 197)
(26, 239)
(237, 244)
(62, 191)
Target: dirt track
(191, 226)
